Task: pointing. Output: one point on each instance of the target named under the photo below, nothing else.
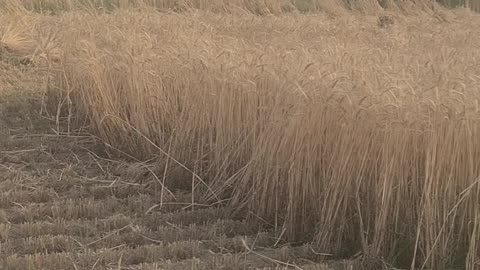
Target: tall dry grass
(332, 130)
(258, 7)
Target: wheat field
(347, 129)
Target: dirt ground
(65, 205)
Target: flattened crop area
(62, 206)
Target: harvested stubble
(364, 137)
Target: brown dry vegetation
(354, 133)
(64, 207)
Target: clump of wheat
(327, 129)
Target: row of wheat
(328, 129)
